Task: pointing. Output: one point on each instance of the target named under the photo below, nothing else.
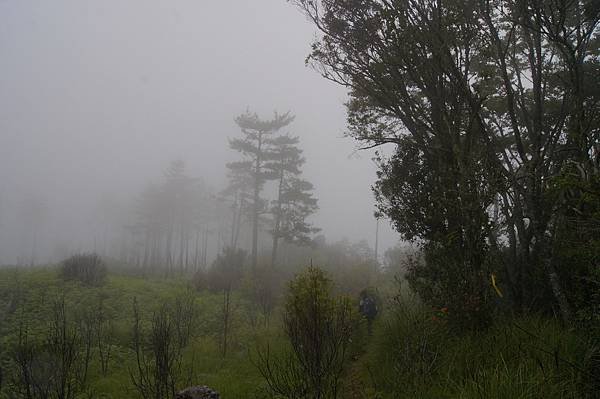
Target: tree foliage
(90, 269)
(294, 202)
(486, 101)
(255, 145)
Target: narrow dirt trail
(354, 384)
(357, 383)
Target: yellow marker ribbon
(496, 287)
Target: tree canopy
(487, 102)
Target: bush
(576, 241)
(318, 327)
(90, 269)
(408, 344)
(443, 279)
(51, 366)
(159, 350)
(417, 355)
(227, 270)
(200, 280)
(224, 276)
(262, 287)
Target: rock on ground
(200, 392)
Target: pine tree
(239, 193)
(168, 215)
(256, 147)
(294, 202)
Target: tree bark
(256, 197)
(277, 227)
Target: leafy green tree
(430, 201)
(488, 100)
(577, 232)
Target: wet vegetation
(485, 120)
(149, 336)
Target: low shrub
(159, 349)
(319, 328)
(443, 278)
(416, 354)
(52, 364)
(90, 269)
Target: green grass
(36, 290)
(410, 355)
(416, 356)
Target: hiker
(367, 306)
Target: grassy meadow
(36, 290)
(412, 353)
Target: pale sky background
(97, 97)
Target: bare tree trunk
(187, 249)
(156, 256)
(181, 247)
(238, 225)
(33, 250)
(197, 250)
(226, 308)
(277, 227)
(255, 209)
(233, 219)
(254, 255)
(169, 259)
(274, 251)
(561, 298)
(205, 248)
(554, 280)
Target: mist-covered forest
(303, 199)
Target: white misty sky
(96, 97)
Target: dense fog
(99, 98)
(300, 199)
